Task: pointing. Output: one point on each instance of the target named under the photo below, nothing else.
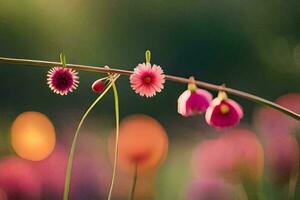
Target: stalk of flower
(74, 142)
(143, 146)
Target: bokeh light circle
(33, 136)
(143, 141)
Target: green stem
(134, 180)
(116, 141)
(74, 142)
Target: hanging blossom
(99, 85)
(62, 80)
(194, 100)
(223, 112)
(147, 79)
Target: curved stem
(134, 180)
(74, 142)
(116, 141)
(210, 86)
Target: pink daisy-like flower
(223, 112)
(62, 80)
(146, 80)
(193, 101)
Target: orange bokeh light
(33, 136)
(143, 142)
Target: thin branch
(206, 85)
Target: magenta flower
(193, 101)
(223, 112)
(147, 80)
(62, 80)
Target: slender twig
(74, 142)
(210, 86)
(134, 180)
(116, 153)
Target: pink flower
(193, 101)
(223, 112)
(62, 80)
(147, 80)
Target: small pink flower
(223, 112)
(147, 80)
(193, 101)
(62, 80)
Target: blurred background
(253, 46)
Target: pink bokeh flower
(282, 157)
(210, 188)
(147, 79)
(18, 180)
(235, 155)
(223, 112)
(269, 121)
(193, 101)
(62, 80)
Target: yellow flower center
(224, 109)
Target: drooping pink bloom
(223, 112)
(147, 79)
(192, 102)
(62, 80)
(98, 86)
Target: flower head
(147, 79)
(62, 80)
(193, 101)
(223, 112)
(143, 142)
